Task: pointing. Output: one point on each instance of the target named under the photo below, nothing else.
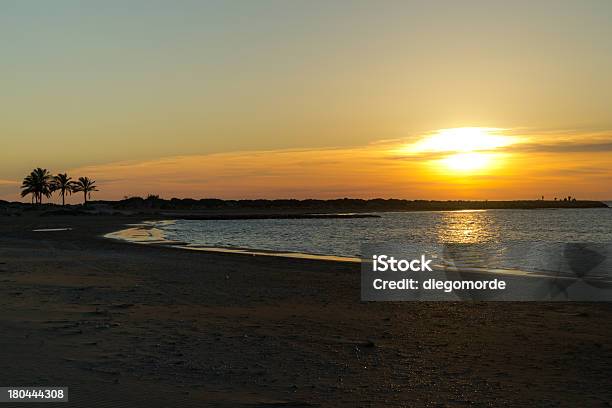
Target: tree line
(41, 183)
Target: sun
(464, 162)
(466, 139)
(465, 150)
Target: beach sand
(128, 325)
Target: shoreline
(148, 234)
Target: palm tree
(27, 187)
(63, 184)
(38, 183)
(86, 186)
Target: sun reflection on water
(468, 227)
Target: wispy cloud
(564, 147)
(385, 169)
(533, 164)
(281, 173)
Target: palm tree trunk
(85, 196)
(63, 199)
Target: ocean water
(553, 241)
(344, 237)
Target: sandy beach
(144, 326)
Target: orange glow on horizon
(462, 163)
(467, 162)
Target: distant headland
(41, 183)
(211, 208)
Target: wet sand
(143, 325)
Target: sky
(323, 99)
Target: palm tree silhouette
(38, 183)
(27, 187)
(86, 186)
(63, 184)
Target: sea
(345, 236)
(509, 240)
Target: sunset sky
(322, 99)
